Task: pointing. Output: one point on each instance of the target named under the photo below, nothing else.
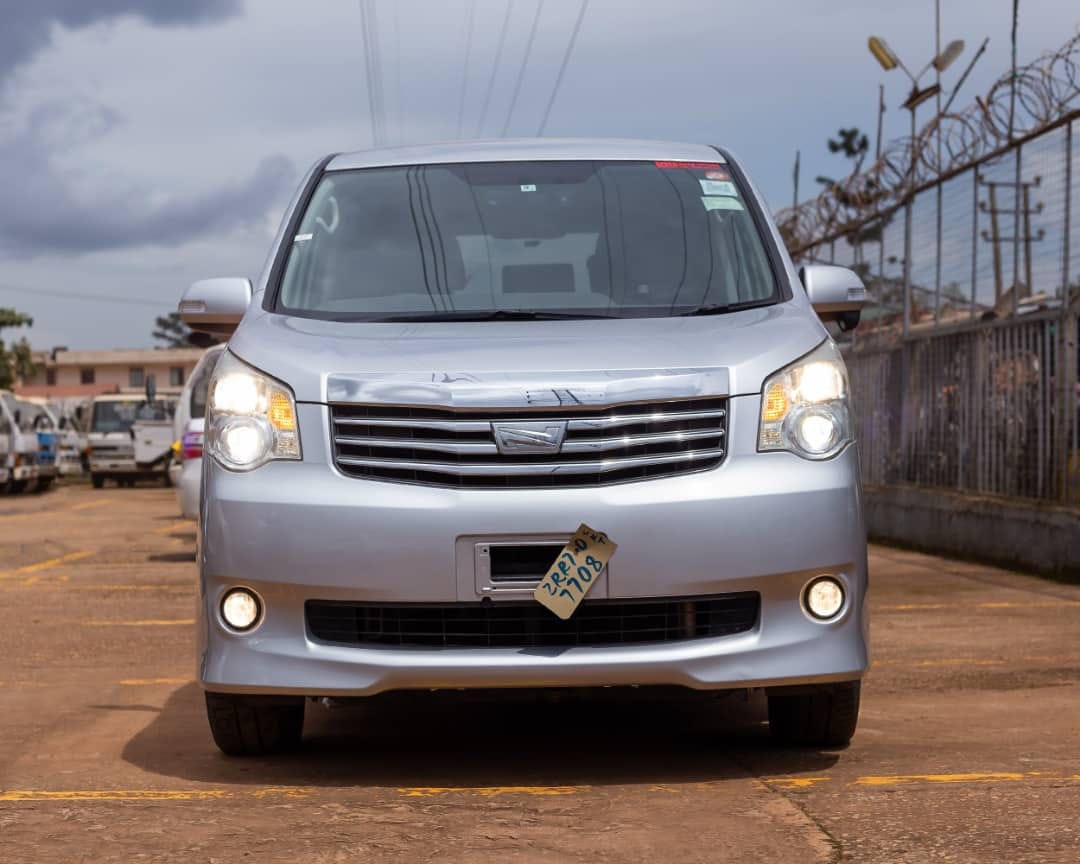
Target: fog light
(824, 598)
(241, 609)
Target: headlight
(804, 407)
(250, 417)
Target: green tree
(18, 360)
(176, 334)
(171, 330)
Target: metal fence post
(1067, 342)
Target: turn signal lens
(281, 413)
(776, 403)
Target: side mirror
(17, 416)
(215, 305)
(836, 293)
(63, 423)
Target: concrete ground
(967, 749)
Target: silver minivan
(543, 413)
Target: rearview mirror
(215, 305)
(836, 293)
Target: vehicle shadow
(506, 738)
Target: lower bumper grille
(529, 625)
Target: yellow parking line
(166, 586)
(489, 791)
(45, 565)
(795, 782)
(49, 511)
(908, 779)
(146, 682)
(86, 505)
(146, 622)
(149, 794)
(175, 526)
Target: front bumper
(114, 466)
(760, 522)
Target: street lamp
(888, 60)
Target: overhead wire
(563, 65)
(524, 65)
(495, 67)
(465, 69)
(369, 75)
(82, 295)
(398, 125)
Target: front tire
(255, 725)
(817, 716)
(97, 480)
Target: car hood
(730, 354)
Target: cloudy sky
(148, 143)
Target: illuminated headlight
(250, 418)
(241, 609)
(824, 598)
(804, 407)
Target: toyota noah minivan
(460, 354)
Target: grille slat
(529, 625)
(457, 448)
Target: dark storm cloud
(27, 25)
(47, 210)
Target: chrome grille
(614, 444)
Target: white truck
(70, 440)
(18, 447)
(130, 438)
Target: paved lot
(967, 750)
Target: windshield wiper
(496, 315)
(723, 308)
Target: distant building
(63, 373)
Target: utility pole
(1021, 214)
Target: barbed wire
(1046, 90)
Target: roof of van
(527, 149)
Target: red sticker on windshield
(687, 164)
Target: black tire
(165, 474)
(820, 716)
(255, 725)
(18, 486)
(43, 484)
(97, 480)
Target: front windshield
(612, 239)
(119, 416)
(34, 418)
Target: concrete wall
(1031, 536)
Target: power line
(397, 77)
(495, 67)
(369, 26)
(562, 68)
(465, 70)
(78, 295)
(524, 63)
